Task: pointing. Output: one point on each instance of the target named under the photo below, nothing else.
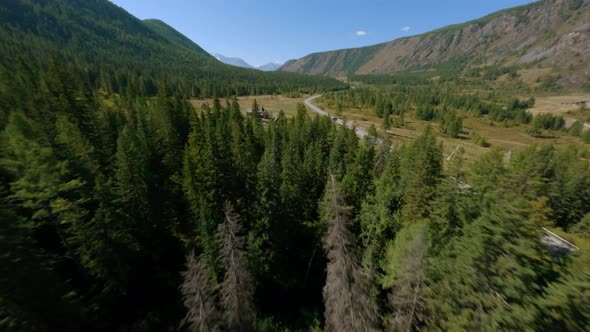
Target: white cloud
(406, 29)
(361, 33)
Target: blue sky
(278, 30)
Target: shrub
(425, 112)
(534, 132)
(478, 139)
(548, 122)
(576, 129)
(452, 124)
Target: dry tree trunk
(237, 287)
(197, 295)
(347, 300)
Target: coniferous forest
(127, 209)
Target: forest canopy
(278, 219)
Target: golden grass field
(273, 104)
(512, 138)
(563, 105)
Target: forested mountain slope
(172, 35)
(119, 52)
(548, 34)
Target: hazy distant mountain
(550, 34)
(238, 62)
(233, 61)
(270, 66)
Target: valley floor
(509, 138)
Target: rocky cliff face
(549, 33)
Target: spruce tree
(379, 216)
(489, 277)
(267, 209)
(567, 301)
(422, 170)
(386, 122)
(358, 181)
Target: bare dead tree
(197, 294)
(347, 300)
(404, 298)
(237, 287)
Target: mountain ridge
(546, 34)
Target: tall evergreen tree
(567, 301)
(261, 241)
(499, 276)
(379, 217)
(422, 170)
(358, 181)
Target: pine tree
(489, 277)
(379, 215)
(488, 171)
(290, 188)
(267, 209)
(540, 212)
(61, 96)
(244, 160)
(34, 295)
(566, 305)
(358, 181)
(132, 176)
(36, 169)
(167, 123)
(452, 124)
(206, 232)
(422, 170)
(455, 167)
(386, 122)
(568, 187)
(106, 243)
(452, 209)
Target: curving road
(360, 132)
